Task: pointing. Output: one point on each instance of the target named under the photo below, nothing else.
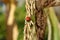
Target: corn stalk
(41, 17)
(11, 26)
(54, 23)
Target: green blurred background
(19, 17)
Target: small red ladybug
(28, 18)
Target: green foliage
(20, 20)
(2, 26)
